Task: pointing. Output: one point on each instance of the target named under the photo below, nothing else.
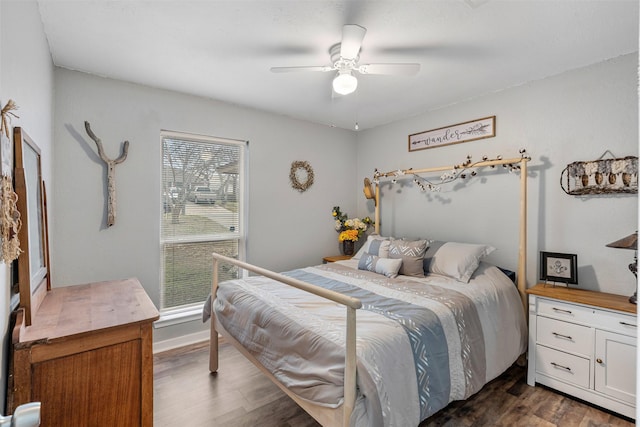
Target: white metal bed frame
(341, 416)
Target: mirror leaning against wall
(33, 262)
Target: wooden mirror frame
(33, 262)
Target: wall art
(602, 176)
(558, 267)
(111, 172)
(454, 134)
(301, 175)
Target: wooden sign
(454, 134)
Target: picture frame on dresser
(559, 267)
(32, 265)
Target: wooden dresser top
(83, 309)
(583, 296)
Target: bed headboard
(519, 164)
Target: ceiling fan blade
(303, 68)
(396, 69)
(352, 36)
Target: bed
(419, 343)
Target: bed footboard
(351, 305)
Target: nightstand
(335, 258)
(583, 343)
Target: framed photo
(558, 267)
(454, 134)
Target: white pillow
(382, 252)
(456, 260)
(387, 266)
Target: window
(202, 207)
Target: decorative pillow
(387, 266)
(382, 251)
(411, 253)
(456, 260)
(379, 248)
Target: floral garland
(293, 177)
(10, 223)
(460, 171)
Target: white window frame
(191, 312)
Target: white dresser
(583, 343)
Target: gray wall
(26, 76)
(570, 117)
(287, 228)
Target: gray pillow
(379, 248)
(387, 266)
(365, 247)
(411, 253)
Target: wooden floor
(186, 395)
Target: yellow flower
(348, 235)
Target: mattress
(421, 342)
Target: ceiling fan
(344, 59)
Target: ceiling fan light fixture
(345, 83)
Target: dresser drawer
(563, 366)
(565, 311)
(565, 336)
(617, 322)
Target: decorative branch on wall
(602, 176)
(111, 172)
(466, 169)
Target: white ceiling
(224, 49)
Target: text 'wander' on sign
(461, 132)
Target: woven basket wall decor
(603, 176)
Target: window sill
(179, 315)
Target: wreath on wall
(299, 182)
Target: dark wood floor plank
(239, 395)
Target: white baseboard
(170, 344)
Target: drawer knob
(599, 360)
(566, 368)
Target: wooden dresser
(584, 343)
(87, 356)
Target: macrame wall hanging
(10, 223)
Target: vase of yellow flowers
(350, 229)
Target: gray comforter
(421, 343)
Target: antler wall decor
(111, 172)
